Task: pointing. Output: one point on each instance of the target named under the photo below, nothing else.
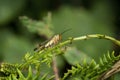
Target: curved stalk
(99, 36)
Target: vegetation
(31, 67)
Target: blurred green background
(82, 16)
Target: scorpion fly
(52, 41)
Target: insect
(51, 42)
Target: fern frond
(91, 71)
(8, 69)
(107, 61)
(43, 56)
(30, 76)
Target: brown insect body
(49, 43)
(39, 47)
(53, 41)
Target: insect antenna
(65, 31)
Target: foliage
(30, 68)
(93, 70)
(40, 27)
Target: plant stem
(115, 69)
(55, 69)
(86, 37)
(99, 36)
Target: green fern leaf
(92, 71)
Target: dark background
(83, 16)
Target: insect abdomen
(53, 41)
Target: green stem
(99, 36)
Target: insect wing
(41, 46)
